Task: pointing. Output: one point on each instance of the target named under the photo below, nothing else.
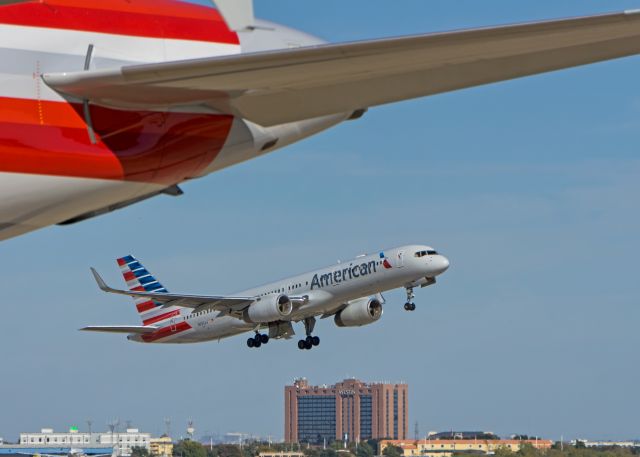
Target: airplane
(106, 103)
(350, 292)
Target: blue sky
(529, 187)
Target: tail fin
(140, 280)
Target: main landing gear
(409, 305)
(258, 340)
(310, 341)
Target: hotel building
(350, 410)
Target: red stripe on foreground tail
(162, 19)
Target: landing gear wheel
(409, 305)
(310, 341)
(250, 342)
(264, 338)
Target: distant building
(625, 444)
(447, 447)
(121, 442)
(350, 410)
(281, 454)
(162, 447)
(462, 436)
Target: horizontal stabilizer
(276, 87)
(139, 329)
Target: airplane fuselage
(61, 161)
(326, 291)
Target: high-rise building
(350, 410)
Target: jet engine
(363, 311)
(268, 309)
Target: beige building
(281, 454)
(162, 447)
(446, 448)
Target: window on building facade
(316, 419)
(366, 417)
(395, 414)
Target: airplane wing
(140, 329)
(281, 86)
(200, 302)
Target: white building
(122, 442)
(626, 444)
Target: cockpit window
(424, 253)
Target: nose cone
(440, 264)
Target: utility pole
(167, 426)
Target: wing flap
(276, 87)
(138, 329)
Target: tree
(328, 452)
(188, 448)
(393, 451)
(139, 451)
(228, 450)
(503, 451)
(365, 450)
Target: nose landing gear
(310, 341)
(258, 340)
(409, 305)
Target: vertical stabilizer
(139, 279)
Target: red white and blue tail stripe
(139, 279)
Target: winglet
(101, 284)
(238, 14)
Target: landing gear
(258, 340)
(310, 341)
(409, 305)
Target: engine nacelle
(269, 309)
(361, 312)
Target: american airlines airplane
(350, 292)
(105, 103)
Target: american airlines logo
(346, 274)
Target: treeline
(188, 448)
(252, 449)
(566, 450)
